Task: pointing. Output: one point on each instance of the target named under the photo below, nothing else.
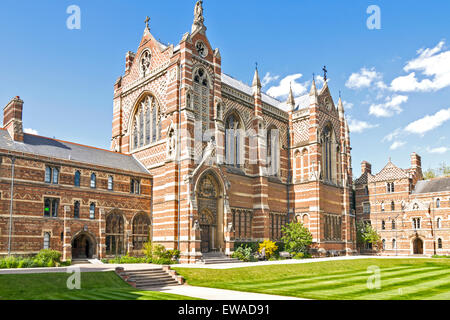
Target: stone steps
(80, 261)
(216, 258)
(149, 278)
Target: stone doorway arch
(209, 196)
(417, 246)
(83, 246)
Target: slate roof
(239, 85)
(64, 150)
(433, 185)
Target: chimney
(12, 119)
(416, 164)
(366, 167)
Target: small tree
(296, 237)
(429, 174)
(367, 234)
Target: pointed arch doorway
(418, 246)
(210, 211)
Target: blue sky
(66, 76)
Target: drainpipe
(13, 159)
(178, 157)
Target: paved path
(219, 294)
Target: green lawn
(94, 286)
(344, 279)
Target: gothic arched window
(92, 211)
(141, 230)
(93, 180)
(327, 153)
(115, 244)
(392, 206)
(201, 98)
(76, 210)
(438, 203)
(273, 151)
(146, 125)
(233, 145)
(439, 243)
(439, 223)
(77, 178)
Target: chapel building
(230, 163)
(199, 162)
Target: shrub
(173, 254)
(270, 248)
(296, 238)
(243, 253)
(148, 249)
(253, 245)
(47, 255)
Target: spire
(198, 17)
(313, 90)
(256, 81)
(290, 100)
(340, 106)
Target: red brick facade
(224, 162)
(411, 215)
(245, 200)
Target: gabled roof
(433, 185)
(64, 150)
(389, 172)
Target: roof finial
(198, 16)
(290, 100)
(147, 20)
(325, 73)
(256, 81)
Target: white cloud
(268, 78)
(347, 105)
(433, 63)
(391, 136)
(439, 150)
(359, 126)
(397, 144)
(282, 90)
(389, 108)
(31, 131)
(365, 78)
(428, 122)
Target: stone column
(101, 234)
(67, 245)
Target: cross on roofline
(147, 20)
(324, 73)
